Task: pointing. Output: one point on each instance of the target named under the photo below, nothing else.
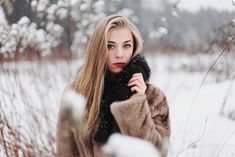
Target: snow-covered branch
(23, 34)
(77, 17)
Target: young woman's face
(120, 49)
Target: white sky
(195, 5)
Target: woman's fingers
(135, 89)
(137, 76)
(137, 83)
(138, 90)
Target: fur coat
(144, 116)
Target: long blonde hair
(89, 80)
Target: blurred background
(189, 46)
(169, 26)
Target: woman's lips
(119, 64)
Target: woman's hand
(137, 84)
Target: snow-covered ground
(200, 125)
(31, 92)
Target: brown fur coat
(145, 116)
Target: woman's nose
(119, 53)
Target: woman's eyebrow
(111, 42)
(127, 41)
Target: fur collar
(137, 64)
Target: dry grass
(29, 99)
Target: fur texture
(146, 117)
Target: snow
(54, 29)
(62, 13)
(198, 126)
(99, 6)
(233, 21)
(84, 6)
(153, 4)
(125, 12)
(31, 93)
(24, 21)
(74, 102)
(42, 4)
(192, 5)
(195, 6)
(2, 17)
(26, 34)
(51, 10)
(126, 146)
(75, 11)
(74, 2)
(160, 32)
(33, 3)
(201, 126)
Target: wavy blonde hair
(89, 80)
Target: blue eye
(127, 45)
(110, 46)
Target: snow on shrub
(126, 146)
(69, 23)
(78, 16)
(17, 37)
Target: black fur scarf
(116, 89)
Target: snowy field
(200, 117)
(201, 114)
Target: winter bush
(23, 34)
(66, 23)
(80, 16)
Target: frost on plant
(78, 17)
(23, 34)
(63, 23)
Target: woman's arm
(66, 145)
(144, 116)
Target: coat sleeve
(144, 116)
(65, 141)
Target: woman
(114, 81)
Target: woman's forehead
(120, 34)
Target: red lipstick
(119, 64)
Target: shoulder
(71, 105)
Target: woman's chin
(116, 70)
